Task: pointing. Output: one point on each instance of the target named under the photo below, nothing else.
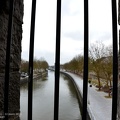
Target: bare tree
(75, 65)
(24, 66)
(107, 67)
(96, 52)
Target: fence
(57, 60)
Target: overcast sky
(72, 27)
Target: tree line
(39, 65)
(100, 63)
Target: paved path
(99, 106)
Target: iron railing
(31, 55)
(57, 60)
(85, 73)
(115, 60)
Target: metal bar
(31, 55)
(57, 61)
(7, 66)
(115, 60)
(85, 74)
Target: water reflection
(70, 86)
(43, 99)
(23, 87)
(70, 111)
(39, 83)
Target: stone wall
(14, 89)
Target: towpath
(99, 107)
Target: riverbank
(35, 76)
(94, 82)
(79, 93)
(99, 107)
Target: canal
(43, 99)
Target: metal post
(7, 66)
(85, 75)
(31, 55)
(115, 60)
(57, 61)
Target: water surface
(43, 99)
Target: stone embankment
(35, 76)
(99, 107)
(79, 95)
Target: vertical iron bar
(7, 66)
(85, 76)
(31, 55)
(115, 60)
(57, 61)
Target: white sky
(72, 27)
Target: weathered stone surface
(119, 12)
(119, 102)
(14, 87)
(118, 107)
(14, 92)
(1, 92)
